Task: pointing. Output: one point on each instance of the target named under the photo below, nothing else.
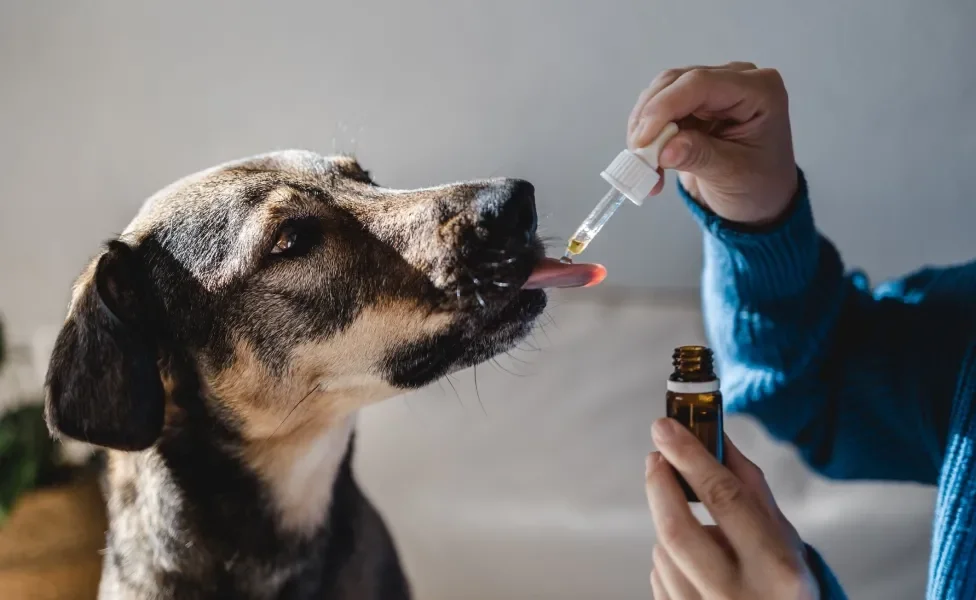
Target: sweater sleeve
(861, 381)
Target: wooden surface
(50, 547)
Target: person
(866, 383)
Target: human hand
(752, 552)
(734, 153)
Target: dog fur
(219, 350)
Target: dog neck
(299, 469)
(209, 505)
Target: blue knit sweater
(867, 384)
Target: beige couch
(539, 495)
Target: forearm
(771, 303)
(822, 361)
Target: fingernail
(664, 430)
(674, 153)
(639, 131)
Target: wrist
(781, 201)
(753, 212)
(766, 263)
(791, 194)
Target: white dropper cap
(634, 173)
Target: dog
(218, 350)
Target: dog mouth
(497, 293)
(527, 299)
(509, 294)
(488, 276)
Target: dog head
(290, 282)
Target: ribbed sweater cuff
(766, 264)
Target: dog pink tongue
(551, 273)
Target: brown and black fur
(223, 376)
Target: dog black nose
(507, 208)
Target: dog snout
(506, 209)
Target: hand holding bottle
(751, 552)
(734, 153)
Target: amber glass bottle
(694, 400)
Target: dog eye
(286, 241)
(296, 238)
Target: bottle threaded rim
(693, 363)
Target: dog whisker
(297, 404)
(535, 340)
(507, 261)
(542, 327)
(456, 394)
(499, 366)
(478, 392)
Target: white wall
(104, 101)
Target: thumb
(694, 152)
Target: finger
(663, 80)
(715, 532)
(659, 186)
(666, 78)
(697, 555)
(696, 152)
(715, 94)
(657, 587)
(693, 123)
(739, 514)
(675, 583)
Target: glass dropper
(632, 176)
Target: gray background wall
(104, 101)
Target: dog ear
(103, 381)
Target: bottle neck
(693, 364)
